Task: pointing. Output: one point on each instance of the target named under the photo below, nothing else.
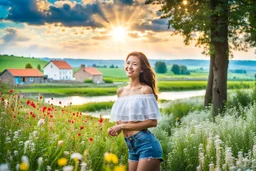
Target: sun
(118, 33)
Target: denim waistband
(137, 135)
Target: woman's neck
(134, 82)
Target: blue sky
(92, 29)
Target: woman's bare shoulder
(120, 90)
(146, 89)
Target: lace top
(137, 107)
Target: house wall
(57, 74)
(52, 71)
(81, 75)
(97, 78)
(66, 74)
(27, 80)
(7, 78)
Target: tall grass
(197, 142)
(48, 133)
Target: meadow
(110, 89)
(19, 62)
(39, 136)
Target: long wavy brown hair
(148, 75)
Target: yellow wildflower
(62, 162)
(120, 168)
(24, 166)
(114, 159)
(110, 157)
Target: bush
(88, 81)
(180, 109)
(107, 80)
(241, 98)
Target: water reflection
(78, 100)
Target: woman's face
(133, 66)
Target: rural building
(58, 70)
(21, 76)
(85, 73)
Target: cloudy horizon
(91, 29)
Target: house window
(31, 79)
(51, 66)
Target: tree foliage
(28, 65)
(180, 69)
(39, 67)
(192, 20)
(160, 67)
(219, 26)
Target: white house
(58, 70)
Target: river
(78, 100)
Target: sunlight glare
(119, 33)
(185, 2)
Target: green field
(19, 62)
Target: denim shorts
(143, 145)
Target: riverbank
(88, 90)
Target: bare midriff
(128, 133)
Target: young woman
(136, 110)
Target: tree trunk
(208, 92)
(220, 64)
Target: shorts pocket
(143, 138)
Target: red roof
(61, 64)
(93, 71)
(25, 72)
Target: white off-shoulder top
(135, 108)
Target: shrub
(107, 80)
(88, 81)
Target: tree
(28, 65)
(175, 69)
(184, 70)
(160, 67)
(219, 26)
(39, 67)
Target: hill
(19, 62)
(192, 64)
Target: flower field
(39, 136)
(43, 137)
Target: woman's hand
(115, 130)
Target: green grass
(92, 106)
(196, 85)
(19, 62)
(71, 91)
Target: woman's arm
(115, 130)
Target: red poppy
(81, 127)
(28, 102)
(90, 139)
(101, 120)
(11, 90)
(33, 104)
(44, 108)
(79, 134)
(41, 97)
